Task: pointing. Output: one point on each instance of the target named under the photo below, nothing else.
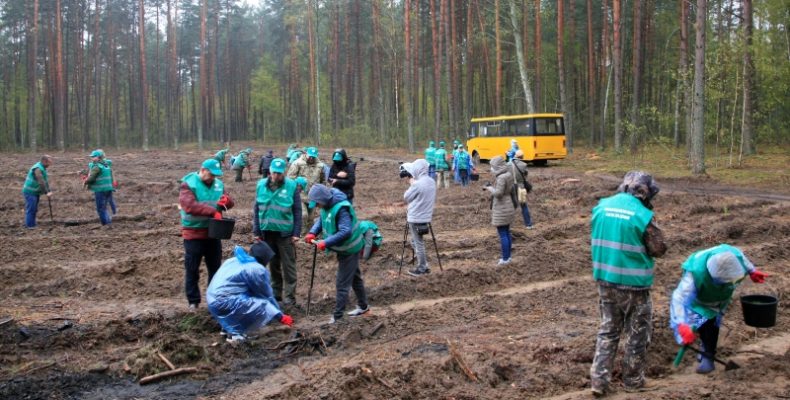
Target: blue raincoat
(240, 295)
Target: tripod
(403, 251)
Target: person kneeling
(705, 290)
(345, 236)
(240, 295)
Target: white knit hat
(725, 267)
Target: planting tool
(728, 365)
(312, 276)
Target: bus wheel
(540, 163)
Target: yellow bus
(540, 136)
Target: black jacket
(345, 185)
(266, 161)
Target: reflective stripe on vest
(355, 242)
(275, 208)
(203, 194)
(103, 182)
(618, 252)
(31, 183)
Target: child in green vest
(709, 280)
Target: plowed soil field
(85, 309)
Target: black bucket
(221, 228)
(759, 310)
(474, 177)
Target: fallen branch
(6, 321)
(39, 368)
(369, 372)
(167, 374)
(461, 362)
(376, 328)
(119, 218)
(166, 361)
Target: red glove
(309, 238)
(287, 320)
(217, 215)
(686, 334)
(222, 204)
(321, 245)
(758, 276)
(115, 184)
(84, 178)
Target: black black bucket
(474, 177)
(221, 228)
(759, 310)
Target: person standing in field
(625, 239)
(312, 170)
(520, 174)
(220, 156)
(343, 235)
(503, 206)
(99, 181)
(342, 174)
(462, 165)
(36, 184)
(201, 196)
(266, 161)
(430, 154)
(241, 161)
(277, 220)
(420, 198)
(442, 166)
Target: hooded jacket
(421, 195)
(502, 208)
(329, 197)
(345, 185)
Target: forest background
(692, 74)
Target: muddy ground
(85, 310)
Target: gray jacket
(421, 195)
(502, 209)
(519, 168)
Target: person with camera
(420, 198)
(503, 205)
(520, 174)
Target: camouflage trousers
(629, 312)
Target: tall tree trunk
(407, 72)
(698, 133)
(143, 82)
(590, 75)
(747, 125)
(96, 75)
(60, 87)
(606, 70)
(682, 92)
(313, 72)
(538, 57)
(437, 70)
(618, 75)
(636, 70)
(498, 42)
(203, 125)
(561, 73)
(522, 66)
(32, 89)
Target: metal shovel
(728, 365)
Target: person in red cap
(202, 196)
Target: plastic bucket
(474, 177)
(759, 310)
(221, 228)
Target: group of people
(243, 294)
(97, 177)
(440, 164)
(286, 195)
(625, 239)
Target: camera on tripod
(403, 173)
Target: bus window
(520, 127)
(493, 128)
(472, 130)
(549, 127)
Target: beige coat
(502, 210)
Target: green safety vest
(463, 160)
(711, 299)
(355, 242)
(430, 155)
(441, 159)
(103, 182)
(275, 207)
(220, 156)
(240, 161)
(204, 194)
(31, 184)
(618, 254)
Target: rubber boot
(706, 365)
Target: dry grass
(769, 169)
